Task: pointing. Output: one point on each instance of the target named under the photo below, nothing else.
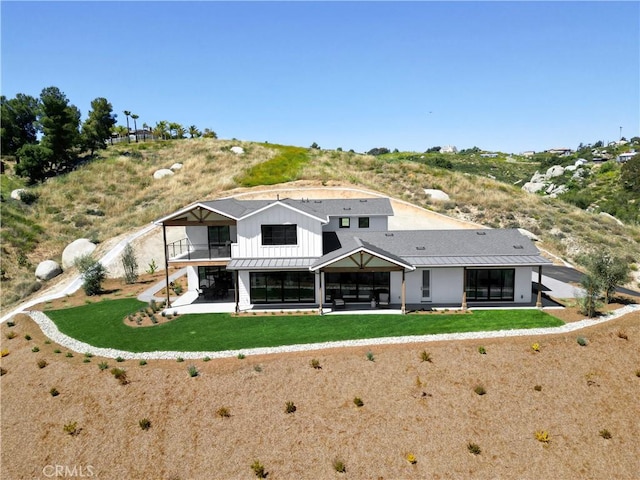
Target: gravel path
(50, 330)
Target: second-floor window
(219, 235)
(279, 234)
(345, 222)
(363, 222)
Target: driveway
(571, 275)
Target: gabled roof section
(205, 206)
(336, 207)
(354, 245)
(291, 205)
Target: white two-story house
(311, 252)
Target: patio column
(321, 292)
(235, 292)
(166, 263)
(404, 293)
(539, 298)
(464, 288)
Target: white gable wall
(376, 224)
(309, 232)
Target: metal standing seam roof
(494, 260)
(269, 263)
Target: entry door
(426, 285)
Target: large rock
(555, 171)
(175, 166)
(436, 194)
(163, 172)
(47, 270)
(538, 178)
(17, 193)
(533, 187)
(237, 150)
(75, 249)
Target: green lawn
(101, 325)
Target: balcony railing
(183, 249)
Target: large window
(279, 234)
(356, 286)
(219, 235)
(490, 284)
(363, 222)
(282, 287)
(426, 285)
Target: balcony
(184, 250)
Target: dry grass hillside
(116, 193)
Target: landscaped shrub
(145, 423)
(258, 469)
(88, 355)
(241, 356)
(71, 428)
(411, 458)
(69, 355)
(142, 363)
(193, 371)
(289, 407)
(425, 356)
(119, 359)
(11, 334)
(482, 351)
(129, 264)
(86, 360)
(35, 349)
(370, 356)
(4, 352)
(179, 359)
(535, 347)
(120, 374)
(54, 392)
(339, 466)
(27, 337)
(103, 366)
(538, 388)
(93, 274)
(623, 335)
(11, 324)
(3, 371)
(480, 390)
(357, 401)
(42, 363)
(223, 412)
(474, 448)
(582, 341)
(315, 363)
(206, 359)
(606, 434)
(257, 368)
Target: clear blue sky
(509, 76)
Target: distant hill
(116, 192)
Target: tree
(93, 274)
(174, 127)
(435, 149)
(608, 271)
(97, 127)
(209, 133)
(378, 151)
(180, 131)
(588, 302)
(161, 129)
(18, 122)
(127, 113)
(129, 264)
(35, 162)
(135, 125)
(194, 132)
(60, 123)
(630, 174)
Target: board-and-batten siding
(309, 233)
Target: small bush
(535, 347)
(57, 350)
(538, 388)
(142, 363)
(542, 436)
(54, 392)
(27, 337)
(69, 355)
(103, 366)
(86, 360)
(482, 351)
(71, 428)
(179, 359)
(206, 359)
(241, 356)
(223, 412)
(11, 324)
(370, 356)
(289, 407)
(4, 352)
(258, 469)
(193, 371)
(119, 359)
(623, 335)
(257, 368)
(606, 434)
(582, 341)
(425, 356)
(42, 363)
(411, 458)
(474, 448)
(47, 342)
(357, 401)
(3, 371)
(315, 363)
(339, 466)
(120, 374)
(480, 390)
(145, 423)
(11, 334)
(88, 355)
(35, 349)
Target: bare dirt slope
(428, 409)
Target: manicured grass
(101, 325)
(284, 167)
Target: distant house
(562, 152)
(625, 157)
(528, 153)
(289, 253)
(449, 149)
(488, 155)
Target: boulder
(175, 166)
(559, 190)
(579, 162)
(47, 270)
(75, 249)
(555, 171)
(570, 168)
(533, 187)
(163, 172)
(531, 236)
(237, 150)
(17, 193)
(611, 217)
(538, 178)
(436, 194)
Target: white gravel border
(51, 330)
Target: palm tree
(126, 114)
(173, 126)
(160, 129)
(194, 132)
(135, 125)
